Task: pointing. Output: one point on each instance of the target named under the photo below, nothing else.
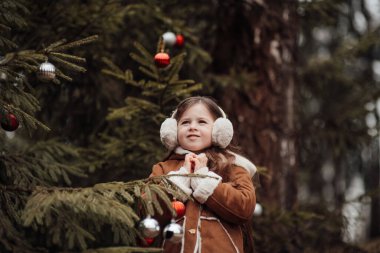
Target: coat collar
(240, 161)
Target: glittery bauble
(169, 39)
(180, 40)
(9, 122)
(162, 60)
(173, 232)
(46, 72)
(179, 208)
(149, 227)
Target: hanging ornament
(149, 227)
(173, 232)
(46, 72)
(149, 241)
(9, 121)
(162, 60)
(180, 40)
(3, 76)
(179, 208)
(10, 135)
(169, 39)
(258, 210)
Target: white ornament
(149, 227)
(258, 210)
(10, 135)
(173, 232)
(46, 72)
(3, 76)
(169, 39)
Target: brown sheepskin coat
(215, 225)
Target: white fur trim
(180, 151)
(181, 181)
(222, 132)
(245, 163)
(206, 187)
(168, 133)
(239, 160)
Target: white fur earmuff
(168, 133)
(222, 132)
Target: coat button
(192, 231)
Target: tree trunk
(262, 109)
(374, 184)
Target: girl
(198, 135)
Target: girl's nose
(193, 125)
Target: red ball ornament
(180, 40)
(162, 60)
(149, 241)
(179, 208)
(9, 122)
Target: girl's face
(195, 128)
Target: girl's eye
(202, 122)
(185, 122)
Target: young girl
(198, 135)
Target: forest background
(300, 80)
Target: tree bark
(374, 184)
(262, 109)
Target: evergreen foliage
(78, 217)
(34, 172)
(137, 141)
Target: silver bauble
(149, 227)
(46, 72)
(258, 210)
(169, 39)
(173, 232)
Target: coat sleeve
(157, 170)
(234, 201)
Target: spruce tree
(40, 212)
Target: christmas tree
(35, 173)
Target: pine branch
(68, 64)
(13, 240)
(64, 209)
(68, 56)
(81, 42)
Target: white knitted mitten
(181, 181)
(204, 186)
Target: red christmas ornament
(162, 60)
(180, 40)
(9, 122)
(179, 208)
(149, 241)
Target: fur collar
(239, 160)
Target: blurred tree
(254, 60)
(339, 90)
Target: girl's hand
(189, 162)
(200, 161)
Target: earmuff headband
(220, 109)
